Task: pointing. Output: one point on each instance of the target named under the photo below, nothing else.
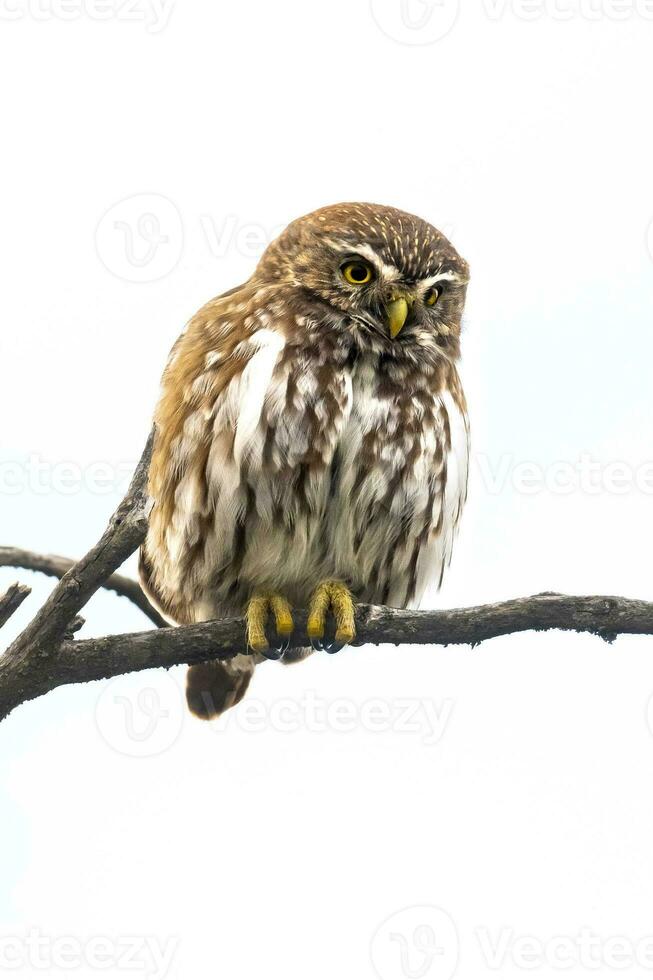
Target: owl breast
(402, 482)
(310, 465)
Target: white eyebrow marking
(390, 272)
(442, 277)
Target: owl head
(397, 279)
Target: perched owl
(311, 440)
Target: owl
(312, 441)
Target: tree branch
(127, 529)
(11, 600)
(95, 659)
(32, 657)
(57, 566)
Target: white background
(279, 845)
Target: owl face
(397, 280)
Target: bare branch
(94, 659)
(57, 566)
(11, 600)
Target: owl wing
(449, 484)
(243, 424)
(457, 447)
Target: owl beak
(398, 311)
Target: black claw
(277, 649)
(334, 647)
(320, 645)
(274, 653)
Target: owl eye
(357, 273)
(432, 296)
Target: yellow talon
(317, 611)
(257, 615)
(282, 615)
(337, 597)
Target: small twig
(74, 627)
(11, 600)
(57, 566)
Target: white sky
(281, 843)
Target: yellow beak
(397, 316)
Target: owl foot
(336, 597)
(258, 608)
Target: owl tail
(212, 688)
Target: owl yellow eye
(432, 296)
(357, 273)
